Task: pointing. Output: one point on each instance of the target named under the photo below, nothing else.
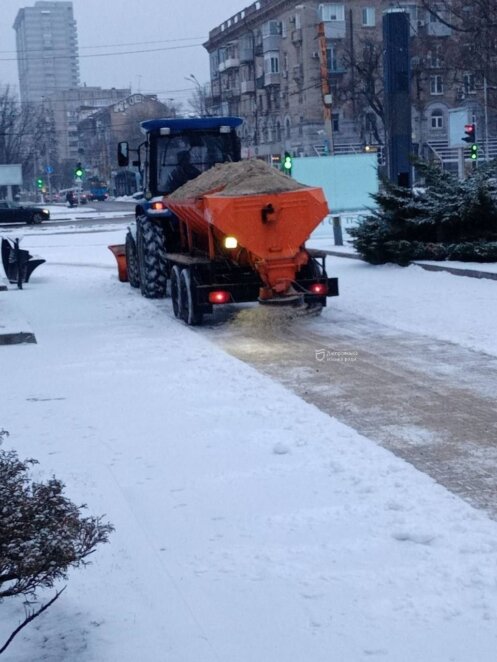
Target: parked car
(13, 212)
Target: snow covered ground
(250, 526)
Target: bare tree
(27, 135)
(365, 88)
(474, 25)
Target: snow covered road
(431, 402)
(250, 525)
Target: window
(271, 28)
(271, 63)
(332, 12)
(287, 128)
(434, 58)
(368, 17)
(436, 85)
(437, 119)
(331, 59)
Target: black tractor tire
(152, 263)
(190, 314)
(132, 261)
(176, 298)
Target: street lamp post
(201, 95)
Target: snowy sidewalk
(486, 270)
(14, 328)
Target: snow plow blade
(119, 252)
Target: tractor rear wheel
(132, 261)
(176, 297)
(190, 313)
(152, 261)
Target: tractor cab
(178, 150)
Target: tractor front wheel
(132, 261)
(152, 263)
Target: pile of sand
(249, 177)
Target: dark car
(13, 212)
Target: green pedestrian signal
(39, 182)
(79, 171)
(287, 164)
(474, 152)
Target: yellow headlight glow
(230, 242)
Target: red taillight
(319, 288)
(157, 205)
(219, 296)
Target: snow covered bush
(408, 225)
(42, 534)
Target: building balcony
(232, 62)
(247, 87)
(438, 29)
(334, 29)
(297, 35)
(259, 82)
(271, 43)
(271, 79)
(298, 72)
(232, 92)
(246, 54)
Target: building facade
(47, 49)
(279, 64)
(68, 107)
(100, 131)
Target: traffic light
(79, 171)
(470, 133)
(474, 152)
(287, 164)
(39, 183)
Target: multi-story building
(100, 131)
(269, 65)
(47, 49)
(68, 108)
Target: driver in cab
(183, 172)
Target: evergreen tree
(431, 222)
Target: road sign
(49, 170)
(458, 118)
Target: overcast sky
(173, 30)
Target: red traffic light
(470, 131)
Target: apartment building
(68, 108)
(101, 130)
(47, 49)
(268, 65)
